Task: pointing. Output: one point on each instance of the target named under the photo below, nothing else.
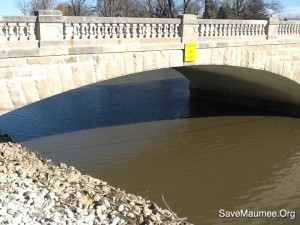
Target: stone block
(138, 62)
(16, 92)
(129, 63)
(54, 80)
(37, 71)
(203, 56)
(30, 90)
(217, 56)
(43, 88)
(7, 73)
(155, 60)
(6, 102)
(164, 59)
(176, 58)
(78, 80)
(85, 58)
(65, 59)
(232, 56)
(99, 66)
(22, 71)
(12, 62)
(65, 74)
(109, 66)
(147, 61)
(39, 60)
(119, 62)
(88, 73)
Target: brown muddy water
(144, 134)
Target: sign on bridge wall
(190, 52)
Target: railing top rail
(231, 21)
(81, 19)
(18, 19)
(289, 22)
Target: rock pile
(35, 191)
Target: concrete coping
(231, 21)
(48, 13)
(289, 23)
(82, 19)
(18, 19)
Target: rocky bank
(33, 190)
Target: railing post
(49, 26)
(272, 28)
(188, 29)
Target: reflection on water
(149, 138)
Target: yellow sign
(190, 52)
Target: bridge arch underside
(244, 86)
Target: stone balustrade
(227, 28)
(123, 28)
(49, 29)
(17, 28)
(288, 28)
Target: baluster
(166, 30)
(134, 30)
(6, 31)
(240, 30)
(220, 29)
(205, 30)
(159, 30)
(176, 33)
(200, 30)
(246, 29)
(171, 30)
(140, 30)
(22, 35)
(254, 29)
(12, 33)
(106, 32)
(210, 30)
(2, 33)
(92, 31)
(153, 31)
(82, 31)
(147, 30)
(31, 32)
(281, 29)
(294, 29)
(127, 33)
(98, 31)
(120, 30)
(68, 31)
(229, 30)
(163, 30)
(215, 30)
(286, 28)
(225, 30)
(237, 30)
(113, 30)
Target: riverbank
(33, 190)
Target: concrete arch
(245, 86)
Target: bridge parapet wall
(36, 35)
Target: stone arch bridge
(47, 54)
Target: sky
(8, 8)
